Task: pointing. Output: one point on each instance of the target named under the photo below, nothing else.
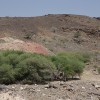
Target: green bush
(71, 64)
(6, 74)
(22, 67)
(35, 69)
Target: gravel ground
(71, 90)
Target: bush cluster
(18, 66)
(70, 64)
(22, 67)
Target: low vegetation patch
(70, 64)
(22, 67)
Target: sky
(29, 8)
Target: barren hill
(55, 32)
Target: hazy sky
(43, 7)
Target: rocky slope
(55, 32)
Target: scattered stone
(96, 86)
(49, 95)
(43, 94)
(38, 90)
(72, 90)
(13, 87)
(49, 85)
(45, 88)
(21, 88)
(60, 99)
(83, 87)
(61, 83)
(35, 84)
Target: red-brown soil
(15, 44)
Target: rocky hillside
(55, 32)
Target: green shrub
(24, 67)
(84, 57)
(13, 59)
(71, 64)
(6, 74)
(18, 66)
(35, 69)
(24, 56)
